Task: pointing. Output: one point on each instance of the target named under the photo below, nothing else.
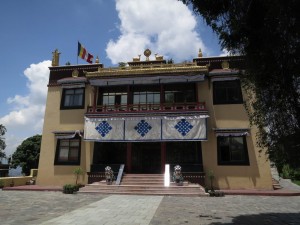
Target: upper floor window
(68, 152)
(232, 150)
(146, 97)
(179, 93)
(114, 98)
(72, 98)
(227, 92)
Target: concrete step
(144, 184)
(187, 194)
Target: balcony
(148, 108)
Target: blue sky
(114, 30)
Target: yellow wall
(255, 176)
(61, 120)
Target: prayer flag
(82, 53)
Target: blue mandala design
(183, 127)
(142, 128)
(103, 128)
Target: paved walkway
(115, 209)
(43, 207)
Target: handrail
(120, 174)
(156, 107)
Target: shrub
(70, 188)
(287, 172)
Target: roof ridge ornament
(55, 58)
(200, 55)
(147, 53)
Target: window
(227, 92)
(114, 99)
(73, 98)
(232, 150)
(68, 152)
(146, 97)
(178, 93)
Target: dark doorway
(187, 154)
(109, 153)
(146, 157)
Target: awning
(232, 132)
(72, 82)
(223, 78)
(147, 80)
(67, 134)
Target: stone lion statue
(177, 175)
(109, 175)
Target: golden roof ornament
(55, 58)
(75, 73)
(225, 65)
(147, 53)
(158, 57)
(97, 60)
(200, 55)
(136, 59)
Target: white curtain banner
(146, 129)
(138, 130)
(184, 129)
(102, 130)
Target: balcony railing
(162, 107)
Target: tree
(267, 33)
(27, 154)
(2, 142)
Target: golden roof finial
(97, 60)
(200, 53)
(55, 58)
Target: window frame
(238, 90)
(58, 148)
(63, 99)
(244, 162)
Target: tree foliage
(267, 32)
(2, 142)
(27, 154)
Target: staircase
(144, 184)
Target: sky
(114, 30)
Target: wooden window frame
(216, 88)
(58, 148)
(244, 162)
(63, 99)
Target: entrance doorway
(146, 157)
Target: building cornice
(147, 70)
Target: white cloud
(166, 27)
(26, 118)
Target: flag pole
(77, 52)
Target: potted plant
(78, 171)
(211, 178)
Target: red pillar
(163, 156)
(95, 90)
(128, 158)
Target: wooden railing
(195, 177)
(95, 177)
(187, 106)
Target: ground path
(42, 207)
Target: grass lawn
(296, 182)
